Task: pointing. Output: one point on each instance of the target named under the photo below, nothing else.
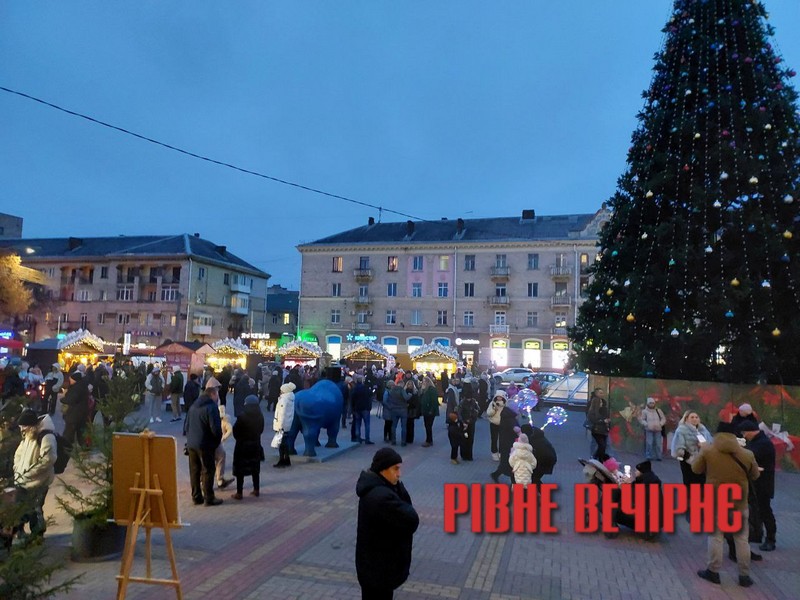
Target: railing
(559, 271)
(362, 273)
(362, 326)
(363, 300)
(559, 331)
(498, 329)
(561, 300)
(500, 271)
(499, 300)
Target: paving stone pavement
(297, 540)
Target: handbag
(276, 441)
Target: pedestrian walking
(54, 382)
(429, 406)
(176, 384)
(191, 392)
(386, 525)
(76, 409)
(154, 394)
(248, 452)
(493, 411)
(599, 418)
(506, 438)
(361, 399)
(34, 461)
(468, 412)
(203, 429)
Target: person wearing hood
(282, 422)
(386, 525)
(493, 411)
(220, 456)
(522, 461)
(543, 450)
(34, 462)
(54, 381)
(75, 405)
(273, 390)
(506, 438)
(725, 461)
(248, 453)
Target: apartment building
(142, 290)
(502, 291)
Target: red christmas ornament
(685, 167)
(725, 133)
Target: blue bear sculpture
(316, 408)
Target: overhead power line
(206, 158)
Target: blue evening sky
(436, 109)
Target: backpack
(156, 385)
(62, 451)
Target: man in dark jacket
(191, 392)
(175, 392)
(543, 451)
(203, 429)
(761, 447)
(274, 390)
(506, 437)
(386, 525)
(77, 412)
(362, 403)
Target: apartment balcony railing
(362, 274)
(560, 271)
(363, 300)
(561, 300)
(362, 326)
(559, 331)
(498, 329)
(499, 300)
(500, 272)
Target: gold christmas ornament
(735, 282)
(630, 318)
(776, 332)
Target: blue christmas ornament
(614, 253)
(667, 309)
(785, 258)
(729, 314)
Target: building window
(287, 317)
(391, 264)
(500, 261)
(336, 316)
(142, 319)
(151, 296)
(584, 262)
(363, 291)
(416, 317)
(391, 289)
(336, 290)
(442, 291)
(416, 290)
(169, 293)
(533, 319)
(363, 262)
(173, 320)
(103, 272)
(101, 318)
(418, 262)
(499, 317)
(63, 318)
(226, 278)
(561, 289)
(500, 290)
(391, 317)
(103, 295)
(444, 263)
(469, 318)
(561, 319)
(275, 319)
(561, 260)
(362, 316)
(469, 290)
(533, 290)
(201, 273)
(123, 318)
(125, 293)
(84, 320)
(441, 317)
(337, 264)
(533, 262)
(84, 295)
(469, 262)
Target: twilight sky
(436, 109)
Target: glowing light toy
(556, 415)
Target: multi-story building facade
(503, 290)
(10, 227)
(281, 322)
(143, 290)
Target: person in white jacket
(522, 460)
(282, 422)
(653, 420)
(493, 410)
(34, 462)
(219, 454)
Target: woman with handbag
(248, 453)
(599, 418)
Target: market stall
(80, 346)
(228, 352)
(299, 352)
(189, 356)
(434, 358)
(367, 354)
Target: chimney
(528, 215)
(196, 235)
(221, 249)
(460, 226)
(409, 228)
(75, 243)
(371, 221)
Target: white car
(515, 375)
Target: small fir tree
(698, 272)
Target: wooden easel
(139, 516)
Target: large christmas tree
(698, 273)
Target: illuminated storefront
(434, 358)
(560, 354)
(366, 354)
(261, 343)
(299, 352)
(228, 352)
(500, 353)
(532, 353)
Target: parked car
(515, 375)
(572, 390)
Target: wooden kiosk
(367, 354)
(434, 358)
(228, 352)
(145, 496)
(299, 352)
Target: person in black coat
(644, 476)
(745, 414)
(224, 384)
(764, 487)
(203, 430)
(76, 415)
(505, 441)
(191, 392)
(543, 451)
(274, 390)
(248, 453)
(386, 525)
(362, 404)
(241, 390)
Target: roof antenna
(380, 213)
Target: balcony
(500, 272)
(363, 300)
(498, 329)
(559, 331)
(362, 274)
(240, 285)
(560, 271)
(201, 329)
(499, 300)
(362, 326)
(561, 300)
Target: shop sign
(499, 343)
(533, 345)
(467, 342)
(7, 335)
(561, 346)
(255, 336)
(360, 337)
(144, 333)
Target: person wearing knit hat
(282, 423)
(745, 414)
(386, 525)
(762, 517)
(34, 462)
(724, 461)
